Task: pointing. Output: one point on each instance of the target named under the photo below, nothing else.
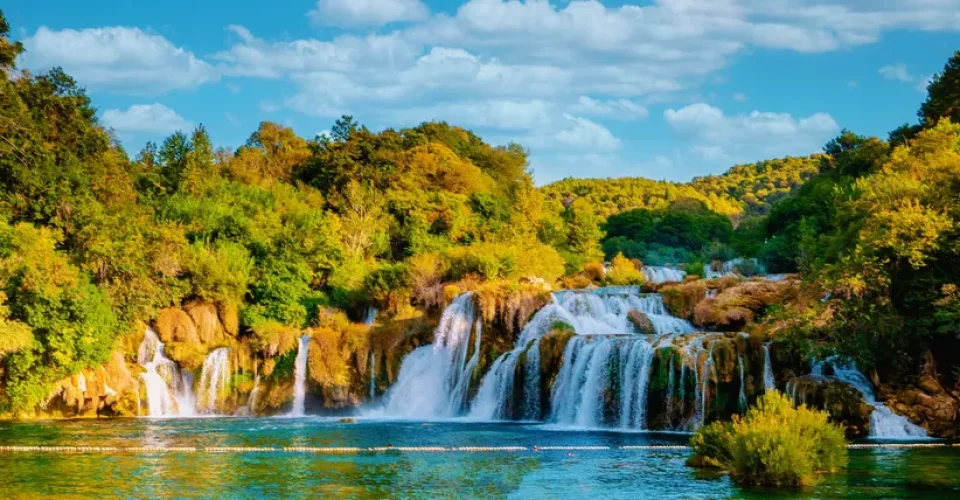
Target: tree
(943, 95)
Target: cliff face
(694, 378)
(206, 365)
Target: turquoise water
(614, 473)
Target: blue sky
(665, 89)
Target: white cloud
(740, 97)
(900, 73)
(749, 137)
(924, 82)
(252, 56)
(351, 13)
(149, 118)
(623, 109)
(581, 133)
(118, 58)
(896, 72)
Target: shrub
(623, 272)
(775, 444)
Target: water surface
(614, 473)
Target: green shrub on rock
(775, 444)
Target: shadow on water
(609, 473)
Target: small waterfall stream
(884, 424)
(300, 377)
(769, 382)
(214, 380)
(169, 389)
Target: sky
(663, 89)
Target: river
(608, 472)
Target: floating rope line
(344, 450)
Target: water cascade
(658, 274)
(884, 424)
(369, 319)
(604, 313)
(732, 268)
(254, 394)
(300, 377)
(214, 379)
(169, 390)
(769, 382)
(434, 380)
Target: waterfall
(600, 312)
(769, 382)
(373, 375)
(657, 274)
(169, 390)
(884, 424)
(671, 390)
(742, 398)
(434, 380)
(300, 377)
(531, 391)
(369, 319)
(635, 379)
(214, 378)
(730, 268)
(254, 394)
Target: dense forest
(285, 233)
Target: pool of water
(612, 473)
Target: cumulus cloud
(118, 58)
(353, 13)
(748, 137)
(148, 118)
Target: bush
(775, 444)
(623, 272)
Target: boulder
(206, 320)
(641, 322)
(175, 325)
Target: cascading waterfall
(602, 313)
(169, 390)
(884, 424)
(769, 382)
(742, 398)
(730, 267)
(373, 374)
(214, 379)
(531, 390)
(634, 382)
(254, 394)
(434, 380)
(369, 319)
(658, 274)
(300, 377)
